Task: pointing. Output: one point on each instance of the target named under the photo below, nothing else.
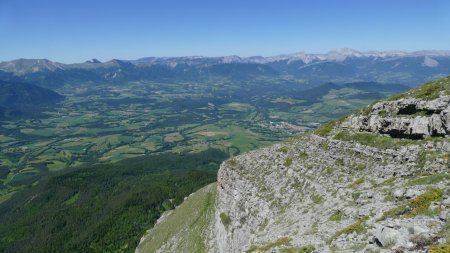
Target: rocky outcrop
(407, 118)
(329, 194)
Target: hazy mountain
(16, 96)
(25, 66)
(340, 66)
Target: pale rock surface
(404, 118)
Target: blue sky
(77, 30)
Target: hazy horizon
(447, 51)
(70, 32)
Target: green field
(108, 123)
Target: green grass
(72, 199)
(23, 178)
(358, 166)
(337, 216)
(186, 225)
(288, 161)
(429, 179)
(283, 150)
(43, 132)
(225, 219)
(425, 156)
(303, 155)
(339, 162)
(394, 212)
(357, 182)
(445, 248)
(287, 100)
(428, 91)
(6, 196)
(56, 165)
(388, 182)
(325, 129)
(304, 249)
(356, 227)
(365, 110)
(279, 242)
(317, 199)
(231, 162)
(416, 206)
(4, 138)
(356, 195)
(241, 107)
(374, 140)
(421, 203)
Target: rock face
(331, 194)
(408, 118)
(369, 183)
(372, 182)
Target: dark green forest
(102, 208)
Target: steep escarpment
(377, 180)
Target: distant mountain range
(341, 65)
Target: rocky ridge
(375, 181)
(23, 66)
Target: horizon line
(335, 50)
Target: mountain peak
(341, 54)
(23, 66)
(345, 51)
(93, 61)
(231, 59)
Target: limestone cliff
(377, 180)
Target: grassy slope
(428, 91)
(183, 230)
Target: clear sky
(78, 30)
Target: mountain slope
(24, 95)
(18, 99)
(186, 228)
(352, 185)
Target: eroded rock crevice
(411, 109)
